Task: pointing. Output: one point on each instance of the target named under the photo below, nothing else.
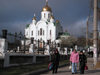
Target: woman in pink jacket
(74, 58)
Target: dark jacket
(82, 58)
(56, 58)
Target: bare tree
(68, 41)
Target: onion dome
(34, 18)
(46, 7)
(52, 17)
(57, 21)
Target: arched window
(43, 32)
(32, 33)
(44, 15)
(48, 15)
(27, 33)
(40, 31)
(50, 32)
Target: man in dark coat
(83, 61)
(56, 58)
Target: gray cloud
(16, 13)
(78, 28)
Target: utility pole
(95, 32)
(87, 25)
(87, 33)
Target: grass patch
(27, 68)
(64, 62)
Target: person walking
(83, 61)
(56, 58)
(74, 59)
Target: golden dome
(52, 17)
(46, 8)
(34, 18)
(57, 21)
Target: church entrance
(40, 45)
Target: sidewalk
(66, 71)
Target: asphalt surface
(65, 70)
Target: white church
(43, 34)
(47, 29)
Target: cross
(46, 2)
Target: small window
(44, 15)
(50, 32)
(43, 32)
(32, 33)
(40, 31)
(27, 33)
(48, 15)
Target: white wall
(53, 32)
(47, 24)
(42, 24)
(3, 46)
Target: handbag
(70, 67)
(86, 67)
(50, 66)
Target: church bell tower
(46, 12)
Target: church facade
(46, 29)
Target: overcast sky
(15, 14)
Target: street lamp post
(43, 47)
(95, 32)
(24, 43)
(38, 46)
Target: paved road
(66, 71)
